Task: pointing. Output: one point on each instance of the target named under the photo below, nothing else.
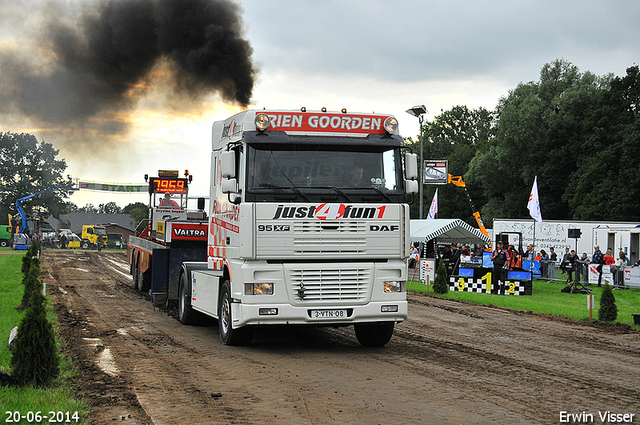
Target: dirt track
(449, 363)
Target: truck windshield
(306, 171)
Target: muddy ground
(449, 363)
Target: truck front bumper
(286, 314)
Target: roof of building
(78, 219)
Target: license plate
(328, 314)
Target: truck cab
(309, 225)
(90, 235)
(5, 235)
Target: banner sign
(436, 172)
(115, 188)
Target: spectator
(618, 267)
(515, 262)
(63, 241)
(552, 254)
(529, 254)
(455, 257)
(415, 255)
(566, 261)
(609, 260)
(499, 258)
(478, 253)
(598, 259)
(573, 263)
(544, 263)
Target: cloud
(409, 41)
(84, 66)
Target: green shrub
(608, 311)
(35, 359)
(440, 284)
(26, 260)
(32, 283)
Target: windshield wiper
(268, 186)
(299, 192)
(335, 189)
(381, 193)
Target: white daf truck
(308, 225)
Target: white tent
(447, 231)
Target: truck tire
(144, 279)
(374, 334)
(4, 243)
(85, 244)
(186, 314)
(134, 272)
(228, 335)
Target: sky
(366, 56)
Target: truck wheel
(228, 335)
(134, 273)
(186, 314)
(4, 243)
(85, 244)
(374, 334)
(144, 279)
(184, 301)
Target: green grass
(547, 299)
(59, 396)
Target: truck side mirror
(411, 186)
(229, 186)
(411, 166)
(201, 204)
(228, 164)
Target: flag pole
(534, 210)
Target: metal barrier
(551, 271)
(618, 277)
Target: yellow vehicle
(73, 241)
(90, 234)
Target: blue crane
(21, 240)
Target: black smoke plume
(99, 58)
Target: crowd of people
(509, 257)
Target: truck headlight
(262, 122)
(258, 288)
(393, 286)
(391, 125)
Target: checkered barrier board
(469, 284)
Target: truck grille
(329, 245)
(349, 285)
(317, 226)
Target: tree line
(577, 132)
(28, 166)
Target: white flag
(433, 210)
(534, 202)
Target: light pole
(419, 111)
